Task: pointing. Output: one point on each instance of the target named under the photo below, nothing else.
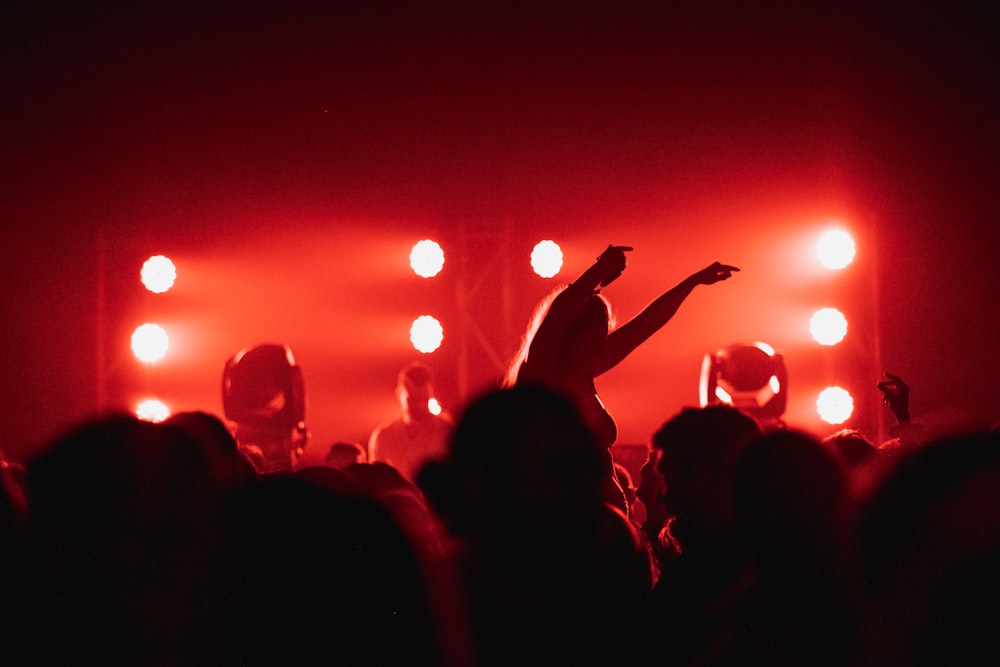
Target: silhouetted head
(226, 460)
(519, 456)
(123, 543)
(699, 448)
(342, 454)
(850, 448)
(787, 494)
(415, 388)
(585, 339)
(929, 544)
(324, 574)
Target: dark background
(287, 155)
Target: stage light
(546, 258)
(426, 334)
(835, 405)
(426, 258)
(750, 376)
(152, 410)
(433, 406)
(828, 326)
(158, 274)
(835, 249)
(150, 342)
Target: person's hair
(537, 317)
(416, 373)
(850, 447)
(343, 450)
(715, 432)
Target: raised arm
(636, 331)
(548, 340)
(896, 393)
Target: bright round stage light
(152, 410)
(158, 274)
(426, 258)
(835, 249)
(835, 405)
(546, 258)
(150, 342)
(426, 334)
(828, 326)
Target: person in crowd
(905, 434)
(409, 509)
(343, 453)
(624, 479)
(653, 528)
(571, 340)
(703, 566)
(226, 460)
(863, 461)
(150, 544)
(697, 452)
(321, 572)
(798, 603)
(851, 449)
(122, 552)
(417, 434)
(551, 573)
(929, 552)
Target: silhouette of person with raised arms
(572, 339)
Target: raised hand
(896, 393)
(613, 262)
(714, 273)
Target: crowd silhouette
(126, 542)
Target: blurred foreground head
(518, 456)
(699, 448)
